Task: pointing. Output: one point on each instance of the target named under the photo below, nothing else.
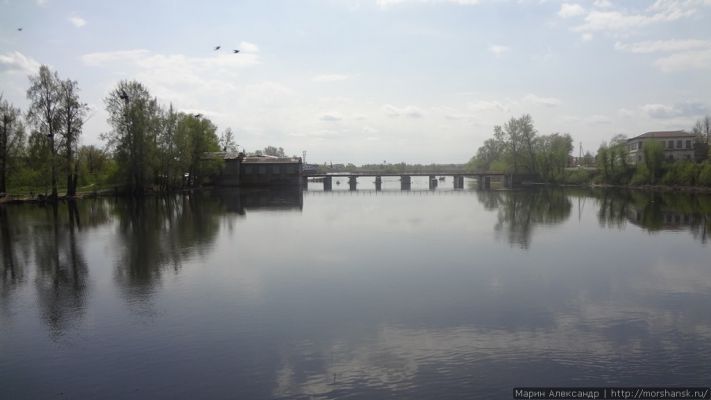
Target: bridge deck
(359, 174)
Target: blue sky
(371, 80)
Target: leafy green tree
(603, 163)
(273, 151)
(653, 158)
(513, 136)
(527, 133)
(552, 153)
(12, 140)
(37, 161)
(170, 170)
(195, 137)
(492, 150)
(135, 120)
(44, 113)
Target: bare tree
(227, 141)
(12, 136)
(72, 114)
(45, 112)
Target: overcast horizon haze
(367, 81)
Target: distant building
(678, 145)
(270, 170)
(257, 170)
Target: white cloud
(687, 54)
(484, 105)
(543, 101)
(183, 79)
(77, 21)
(107, 57)
(498, 50)
(41, 3)
(568, 10)
(330, 78)
(688, 60)
(663, 45)
(618, 21)
(587, 37)
(602, 3)
(247, 47)
(407, 111)
(331, 117)
(390, 3)
(625, 113)
(684, 109)
(15, 61)
(597, 119)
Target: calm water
(291, 295)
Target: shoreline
(41, 199)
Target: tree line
(148, 146)
(615, 167)
(516, 147)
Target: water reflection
(62, 271)
(358, 296)
(656, 212)
(519, 212)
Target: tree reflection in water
(61, 267)
(520, 211)
(155, 233)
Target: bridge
(483, 178)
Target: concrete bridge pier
(327, 183)
(458, 181)
(352, 183)
(378, 183)
(433, 182)
(405, 182)
(508, 181)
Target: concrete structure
(678, 145)
(484, 178)
(266, 171)
(242, 170)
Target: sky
(372, 81)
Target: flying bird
(235, 51)
(197, 115)
(123, 95)
(19, 29)
(217, 48)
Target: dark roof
(664, 134)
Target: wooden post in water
(378, 183)
(352, 183)
(433, 182)
(327, 183)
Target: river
(447, 294)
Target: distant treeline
(615, 168)
(516, 147)
(149, 146)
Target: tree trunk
(3, 154)
(52, 166)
